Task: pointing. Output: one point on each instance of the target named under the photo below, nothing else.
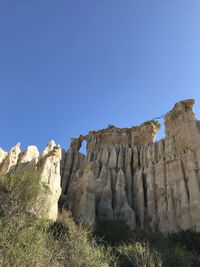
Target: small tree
(110, 126)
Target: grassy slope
(26, 240)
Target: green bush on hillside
(147, 248)
(26, 240)
(138, 254)
(21, 188)
(112, 231)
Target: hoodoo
(125, 175)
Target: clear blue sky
(67, 67)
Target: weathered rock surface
(28, 158)
(49, 168)
(47, 164)
(2, 155)
(10, 161)
(135, 179)
(125, 175)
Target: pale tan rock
(76, 143)
(137, 175)
(67, 169)
(157, 182)
(104, 156)
(120, 163)
(180, 197)
(48, 148)
(82, 163)
(122, 209)
(112, 163)
(141, 155)
(49, 169)
(175, 116)
(86, 211)
(28, 158)
(181, 123)
(169, 148)
(129, 182)
(48, 166)
(125, 173)
(120, 190)
(184, 219)
(86, 206)
(124, 138)
(151, 196)
(128, 156)
(160, 147)
(113, 179)
(144, 155)
(62, 162)
(105, 210)
(161, 195)
(104, 177)
(70, 200)
(151, 153)
(3, 154)
(101, 181)
(172, 225)
(127, 215)
(143, 134)
(10, 160)
(139, 205)
(194, 190)
(135, 158)
(76, 162)
(97, 169)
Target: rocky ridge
(48, 166)
(125, 175)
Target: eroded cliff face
(125, 175)
(48, 166)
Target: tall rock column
(49, 169)
(122, 209)
(10, 161)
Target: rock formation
(48, 166)
(125, 175)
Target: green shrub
(76, 247)
(22, 187)
(22, 238)
(22, 235)
(26, 240)
(111, 126)
(156, 123)
(175, 249)
(177, 256)
(155, 238)
(112, 231)
(138, 254)
(188, 238)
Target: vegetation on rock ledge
(156, 123)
